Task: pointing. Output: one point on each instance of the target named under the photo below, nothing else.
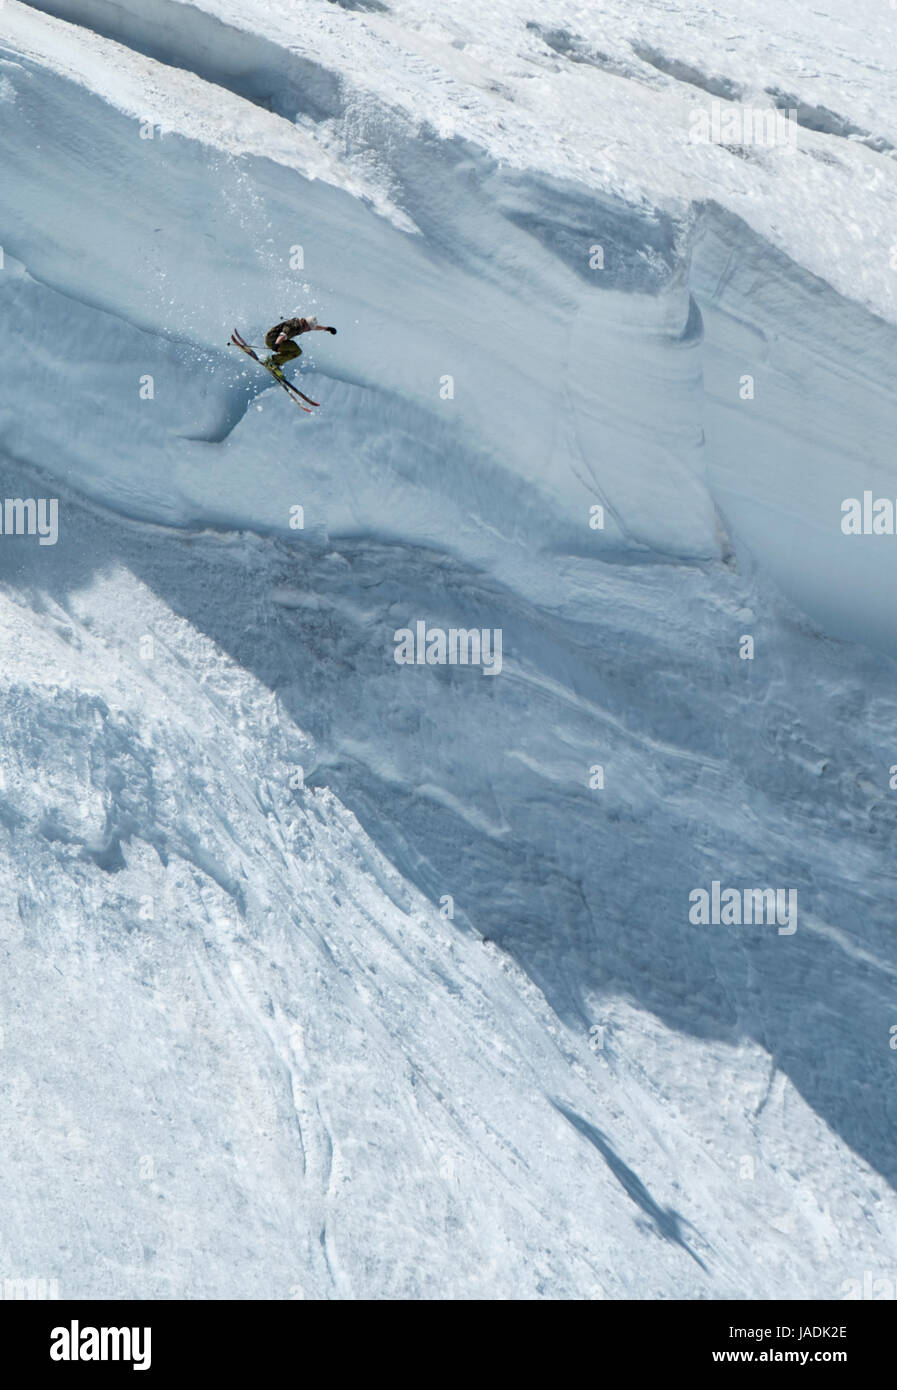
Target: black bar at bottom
(233, 1338)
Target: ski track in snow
(241, 1029)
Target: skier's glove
(333, 330)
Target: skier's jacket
(289, 327)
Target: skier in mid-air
(280, 339)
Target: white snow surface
(327, 977)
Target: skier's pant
(285, 353)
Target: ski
(241, 343)
(237, 341)
(298, 392)
(293, 391)
(289, 384)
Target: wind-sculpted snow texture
(328, 976)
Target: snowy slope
(242, 1035)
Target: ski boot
(274, 369)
